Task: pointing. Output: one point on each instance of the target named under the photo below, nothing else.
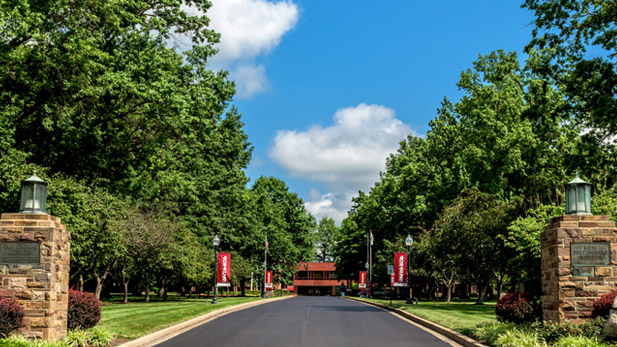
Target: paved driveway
(307, 321)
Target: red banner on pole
(400, 269)
(362, 281)
(224, 271)
(391, 280)
(269, 280)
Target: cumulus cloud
(250, 27)
(250, 80)
(345, 157)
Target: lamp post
(578, 197)
(216, 242)
(33, 195)
(263, 284)
(368, 282)
(408, 243)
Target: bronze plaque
(590, 254)
(20, 252)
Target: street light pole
(216, 242)
(409, 242)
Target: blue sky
(328, 88)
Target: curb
(449, 333)
(174, 330)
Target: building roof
(316, 267)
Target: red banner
(392, 280)
(268, 279)
(400, 269)
(224, 270)
(362, 281)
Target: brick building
(316, 279)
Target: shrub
(84, 310)
(552, 332)
(602, 306)
(489, 332)
(11, 316)
(579, 341)
(100, 337)
(515, 307)
(520, 338)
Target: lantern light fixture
(33, 195)
(578, 197)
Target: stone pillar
(579, 264)
(34, 270)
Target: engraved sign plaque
(590, 254)
(20, 252)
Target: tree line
(476, 191)
(114, 104)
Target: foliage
(580, 341)
(11, 316)
(89, 337)
(327, 234)
(552, 332)
(490, 332)
(602, 306)
(519, 338)
(540, 333)
(84, 310)
(516, 308)
(578, 41)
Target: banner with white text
(362, 281)
(269, 280)
(224, 270)
(400, 269)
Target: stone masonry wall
(41, 289)
(568, 292)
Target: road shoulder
(449, 333)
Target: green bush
(552, 332)
(95, 337)
(579, 341)
(520, 338)
(100, 336)
(489, 332)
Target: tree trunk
(125, 282)
(125, 300)
(80, 283)
(242, 290)
(147, 293)
(481, 294)
(163, 289)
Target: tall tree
(579, 45)
(327, 234)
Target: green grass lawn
(458, 316)
(136, 319)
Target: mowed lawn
(458, 316)
(136, 319)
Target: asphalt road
(307, 321)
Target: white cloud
(345, 157)
(249, 28)
(250, 80)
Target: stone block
(39, 323)
(603, 271)
(18, 283)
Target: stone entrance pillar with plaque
(34, 270)
(579, 264)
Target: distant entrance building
(316, 279)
